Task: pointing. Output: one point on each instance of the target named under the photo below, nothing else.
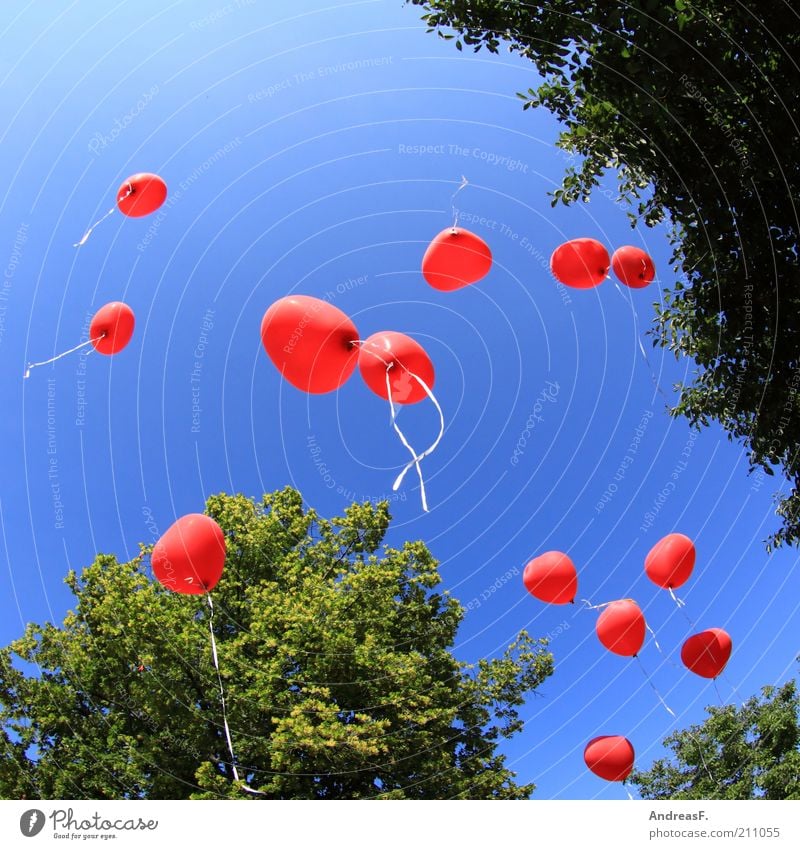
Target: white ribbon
(222, 700)
(59, 356)
(679, 601)
(637, 331)
(221, 689)
(428, 451)
(653, 635)
(654, 688)
(464, 182)
(415, 458)
(99, 220)
(587, 605)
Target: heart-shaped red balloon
(580, 263)
(141, 194)
(551, 577)
(621, 627)
(311, 342)
(403, 358)
(633, 267)
(610, 757)
(707, 653)
(111, 327)
(190, 556)
(456, 258)
(670, 561)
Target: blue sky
(314, 147)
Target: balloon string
(655, 639)
(221, 689)
(629, 795)
(110, 212)
(660, 650)
(681, 604)
(702, 758)
(89, 231)
(415, 461)
(653, 686)
(428, 451)
(587, 605)
(637, 331)
(464, 183)
(679, 601)
(59, 356)
(222, 698)
(415, 458)
(730, 683)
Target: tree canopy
(749, 752)
(694, 104)
(335, 659)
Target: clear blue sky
(286, 133)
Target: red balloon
(620, 627)
(610, 757)
(311, 342)
(404, 355)
(633, 267)
(580, 263)
(670, 561)
(707, 653)
(141, 194)
(551, 577)
(112, 327)
(190, 556)
(456, 258)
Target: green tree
(335, 660)
(750, 752)
(694, 104)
